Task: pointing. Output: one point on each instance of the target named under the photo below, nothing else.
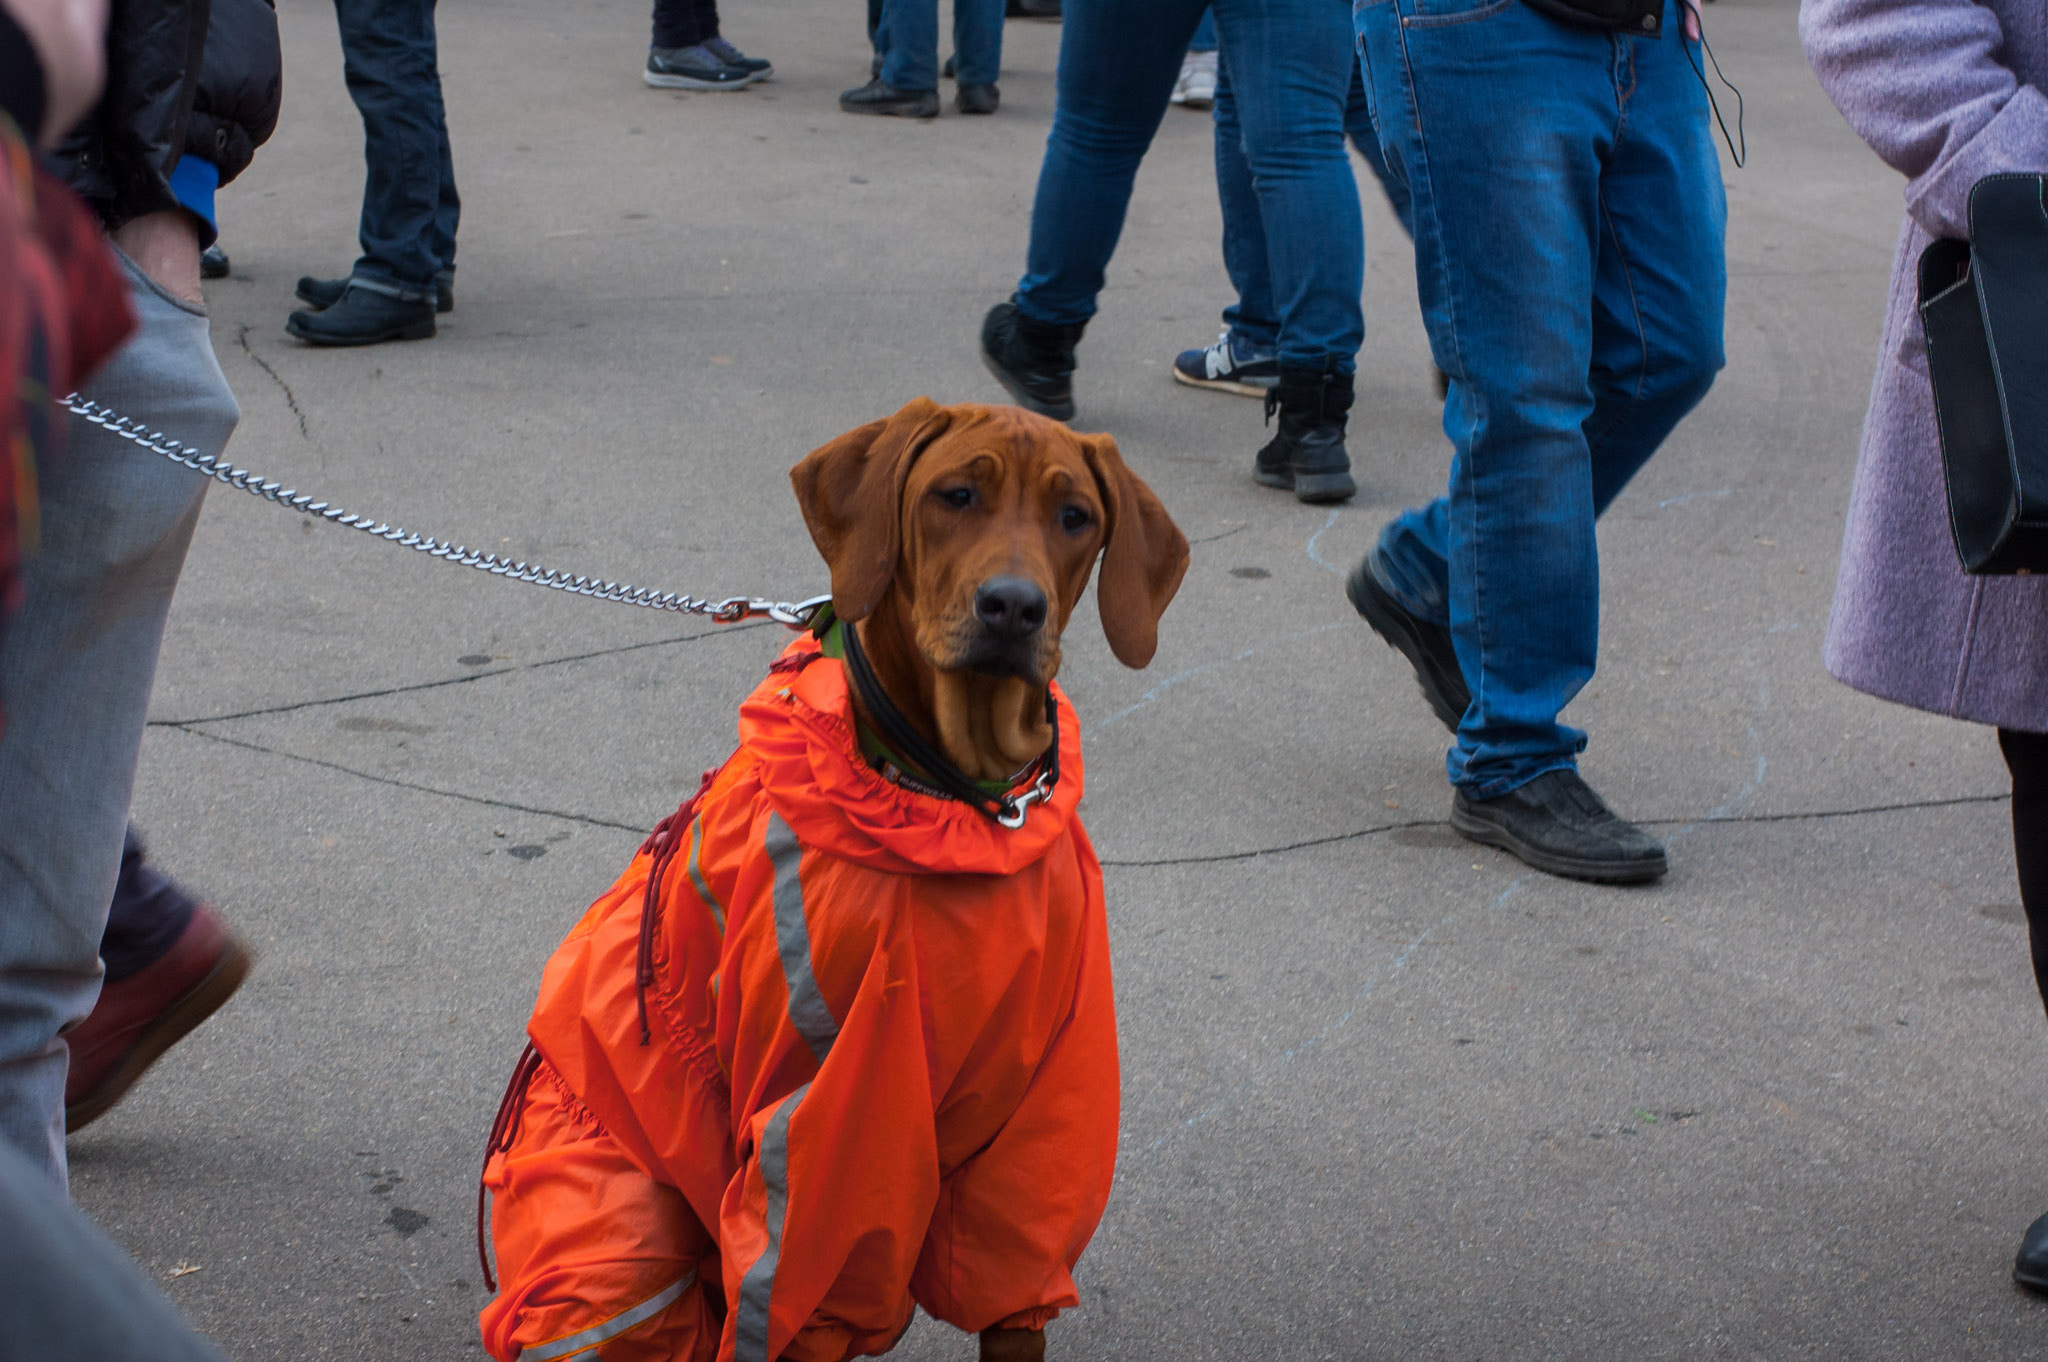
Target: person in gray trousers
(77, 662)
(1947, 92)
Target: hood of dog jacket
(799, 726)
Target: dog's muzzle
(1010, 613)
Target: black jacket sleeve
(241, 86)
(21, 79)
(119, 158)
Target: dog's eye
(959, 498)
(1074, 520)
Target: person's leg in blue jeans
(977, 43)
(1118, 60)
(1244, 359)
(908, 39)
(905, 35)
(75, 673)
(410, 207)
(1291, 65)
(1568, 220)
(393, 73)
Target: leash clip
(1011, 815)
(800, 615)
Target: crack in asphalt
(1211, 858)
(296, 705)
(566, 815)
(290, 400)
(1793, 816)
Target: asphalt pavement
(1386, 1095)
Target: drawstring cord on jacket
(504, 1130)
(667, 836)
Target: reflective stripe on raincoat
(880, 1067)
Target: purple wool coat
(1947, 92)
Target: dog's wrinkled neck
(990, 727)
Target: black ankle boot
(1033, 359)
(1307, 455)
(364, 317)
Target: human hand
(70, 39)
(1692, 18)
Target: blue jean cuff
(1500, 785)
(404, 293)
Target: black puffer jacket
(241, 86)
(199, 76)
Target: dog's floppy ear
(1143, 559)
(851, 492)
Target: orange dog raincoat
(876, 1065)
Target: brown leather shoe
(140, 1017)
(1013, 1345)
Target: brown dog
(960, 538)
(831, 1046)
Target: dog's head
(975, 529)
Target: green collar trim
(828, 627)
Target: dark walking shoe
(952, 65)
(1307, 456)
(1426, 644)
(325, 293)
(977, 99)
(364, 317)
(138, 1018)
(213, 262)
(693, 68)
(1034, 360)
(878, 96)
(2030, 1268)
(1033, 9)
(1557, 824)
(1233, 364)
(760, 68)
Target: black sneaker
(213, 262)
(364, 317)
(1307, 456)
(324, 293)
(878, 96)
(977, 99)
(1034, 360)
(760, 68)
(1033, 9)
(693, 68)
(1426, 644)
(1557, 824)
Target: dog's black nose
(1010, 607)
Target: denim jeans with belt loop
(1569, 221)
(1291, 63)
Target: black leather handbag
(1984, 310)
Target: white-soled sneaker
(1232, 365)
(1196, 88)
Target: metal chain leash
(725, 610)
